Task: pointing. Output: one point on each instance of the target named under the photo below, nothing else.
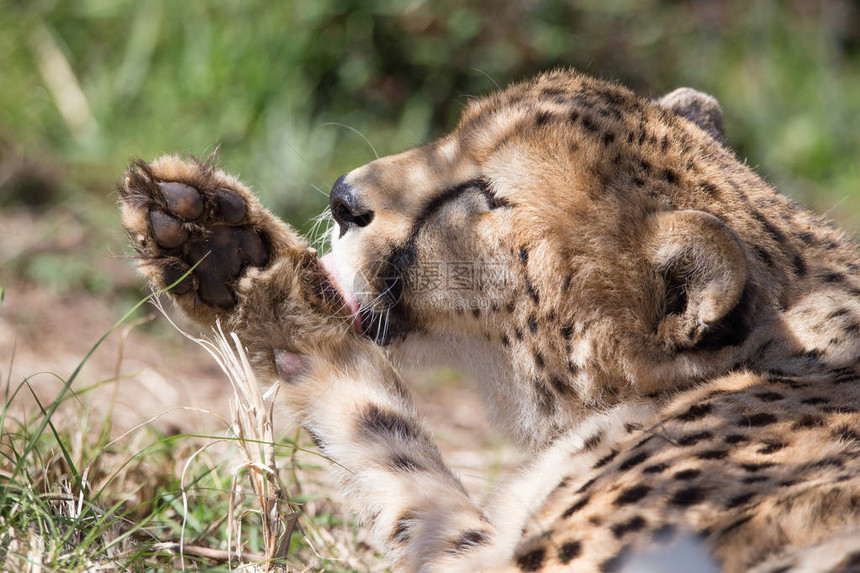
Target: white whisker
(305, 161)
(486, 75)
(361, 135)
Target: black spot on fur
(401, 462)
(589, 124)
(655, 469)
(316, 439)
(553, 92)
(763, 255)
(518, 334)
(807, 421)
(376, 421)
(592, 442)
(524, 255)
(712, 454)
(539, 359)
(838, 312)
(807, 237)
(575, 507)
(695, 412)
(505, 340)
(831, 461)
(643, 441)
(775, 233)
(606, 459)
(839, 410)
(532, 324)
(770, 396)
(692, 439)
(569, 551)
(844, 378)
(735, 438)
(798, 265)
(754, 479)
(787, 381)
(687, 496)
(753, 468)
(635, 523)
(740, 500)
(687, 474)
(566, 332)
(531, 561)
(559, 385)
(632, 494)
(833, 277)
(468, 540)
(400, 533)
(847, 434)
(634, 461)
(608, 138)
(771, 447)
(708, 188)
(542, 118)
(670, 176)
(586, 485)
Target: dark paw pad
(231, 207)
(206, 227)
(223, 255)
(182, 200)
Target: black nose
(346, 208)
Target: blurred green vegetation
(290, 90)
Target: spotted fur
(674, 340)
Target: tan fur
(675, 341)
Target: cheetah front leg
(257, 276)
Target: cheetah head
(589, 234)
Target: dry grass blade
(252, 425)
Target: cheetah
(674, 342)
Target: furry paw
(181, 213)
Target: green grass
(73, 499)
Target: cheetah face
(559, 212)
(417, 241)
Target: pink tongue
(327, 263)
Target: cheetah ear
(698, 107)
(701, 266)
